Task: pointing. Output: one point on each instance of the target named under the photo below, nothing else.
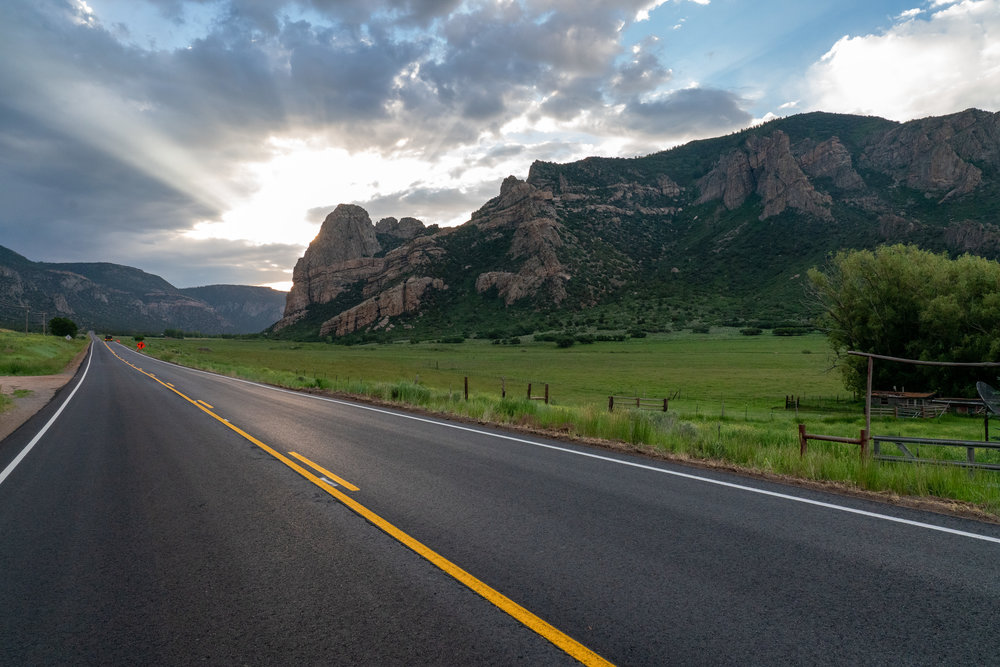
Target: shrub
(751, 331)
(565, 341)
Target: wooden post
(802, 440)
(503, 387)
(637, 401)
(664, 405)
(529, 391)
(864, 446)
(466, 387)
(868, 397)
(611, 403)
(546, 393)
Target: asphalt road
(143, 527)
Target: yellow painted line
(541, 627)
(199, 400)
(343, 482)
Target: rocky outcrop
(765, 166)
(402, 230)
(829, 159)
(406, 297)
(974, 237)
(529, 210)
(340, 255)
(935, 155)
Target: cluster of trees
(905, 302)
(62, 327)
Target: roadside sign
(141, 345)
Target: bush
(751, 331)
(565, 341)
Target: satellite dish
(990, 396)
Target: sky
(206, 140)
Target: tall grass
(733, 411)
(35, 354)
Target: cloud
(110, 149)
(689, 112)
(936, 65)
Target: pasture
(727, 397)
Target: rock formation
(765, 166)
(403, 298)
(681, 222)
(530, 212)
(340, 255)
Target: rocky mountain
(112, 297)
(716, 231)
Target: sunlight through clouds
(147, 129)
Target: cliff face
(742, 217)
(530, 213)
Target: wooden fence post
(664, 405)
(546, 393)
(864, 445)
(466, 387)
(611, 403)
(529, 391)
(802, 440)
(503, 387)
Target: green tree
(62, 326)
(902, 301)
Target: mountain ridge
(114, 297)
(717, 230)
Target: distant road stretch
(153, 514)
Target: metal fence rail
(906, 456)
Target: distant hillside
(716, 231)
(248, 309)
(112, 297)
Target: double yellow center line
(330, 482)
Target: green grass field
(727, 397)
(35, 354)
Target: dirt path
(42, 388)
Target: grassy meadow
(727, 398)
(34, 354)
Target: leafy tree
(902, 301)
(62, 326)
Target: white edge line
(708, 480)
(38, 436)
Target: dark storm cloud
(686, 113)
(105, 144)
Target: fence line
(907, 456)
(805, 437)
(635, 401)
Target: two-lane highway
(169, 515)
